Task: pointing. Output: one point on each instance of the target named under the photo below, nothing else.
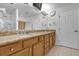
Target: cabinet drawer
(41, 38)
(52, 37)
(52, 34)
(24, 52)
(30, 42)
(11, 48)
(47, 36)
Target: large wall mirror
(7, 20)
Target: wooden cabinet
(24, 52)
(11, 48)
(41, 38)
(30, 42)
(36, 46)
(38, 49)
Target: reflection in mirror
(7, 23)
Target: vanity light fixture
(53, 13)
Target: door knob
(76, 31)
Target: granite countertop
(13, 38)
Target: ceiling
(59, 5)
(27, 11)
(24, 9)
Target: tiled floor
(63, 51)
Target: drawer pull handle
(11, 49)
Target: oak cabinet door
(30, 42)
(52, 39)
(38, 49)
(51, 42)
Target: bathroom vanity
(32, 44)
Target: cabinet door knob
(76, 31)
(11, 49)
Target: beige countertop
(13, 38)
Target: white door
(67, 31)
